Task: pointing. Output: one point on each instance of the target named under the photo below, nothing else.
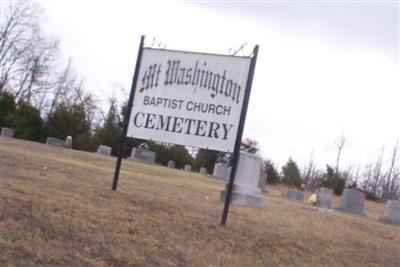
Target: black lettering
(158, 74)
(146, 100)
(175, 68)
(238, 92)
(177, 125)
(149, 121)
(222, 83)
(168, 74)
(189, 106)
(200, 131)
(213, 131)
(163, 124)
(227, 110)
(188, 76)
(189, 125)
(135, 122)
(181, 76)
(226, 130)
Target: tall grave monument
(245, 190)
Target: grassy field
(58, 209)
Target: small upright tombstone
(294, 195)
(105, 150)
(222, 171)
(55, 141)
(324, 198)
(7, 132)
(352, 201)
(203, 171)
(143, 155)
(68, 142)
(187, 168)
(262, 182)
(245, 189)
(171, 164)
(392, 212)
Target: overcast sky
(324, 67)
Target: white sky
(323, 68)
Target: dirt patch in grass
(57, 209)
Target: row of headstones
(187, 167)
(146, 156)
(351, 201)
(139, 154)
(7, 132)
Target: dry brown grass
(57, 209)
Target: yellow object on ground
(313, 199)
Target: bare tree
(391, 175)
(377, 175)
(26, 56)
(339, 144)
(367, 178)
(310, 173)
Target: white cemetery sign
(188, 98)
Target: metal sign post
(127, 115)
(235, 156)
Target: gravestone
(171, 164)
(203, 171)
(352, 201)
(7, 132)
(222, 171)
(245, 189)
(324, 198)
(187, 168)
(143, 155)
(392, 212)
(105, 150)
(55, 141)
(68, 142)
(262, 182)
(294, 195)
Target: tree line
(379, 180)
(39, 99)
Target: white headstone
(187, 168)
(392, 212)
(171, 164)
(295, 195)
(105, 150)
(143, 155)
(203, 171)
(245, 190)
(222, 172)
(7, 132)
(324, 198)
(68, 142)
(55, 141)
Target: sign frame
(239, 133)
(189, 98)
